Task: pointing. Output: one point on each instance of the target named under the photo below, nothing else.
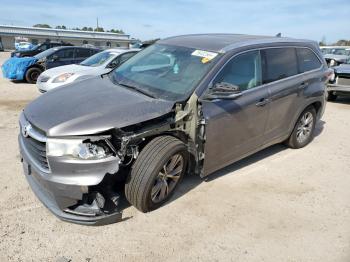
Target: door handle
(303, 85)
(263, 102)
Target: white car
(98, 64)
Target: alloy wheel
(304, 128)
(167, 178)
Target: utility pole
(97, 23)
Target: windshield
(167, 72)
(97, 59)
(45, 53)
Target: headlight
(62, 78)
(76, 148)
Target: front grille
(36, 148)
(43, 79)
(343, 81)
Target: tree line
(85, 28)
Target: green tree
(61, 27)
(99, 29)
(42, 26)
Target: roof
(224, 42)
(121, 50)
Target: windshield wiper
(144, 92)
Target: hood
(342, 69)
(15, 67)
(67, 69)
(92, 106)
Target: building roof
(223, 42)
(60, 33)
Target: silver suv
(187, 104)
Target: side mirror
(223, 90)
(55, 58)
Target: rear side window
(82, 53)
(65, 53)
(279, 63)
(307, 60)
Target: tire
(331, 96)
(32, 74)
(146, 175)
(295, 140)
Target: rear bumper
(59, 197)
(341, 89)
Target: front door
(234, 128)
(61, 57)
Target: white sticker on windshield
(204, 54)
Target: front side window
(280, 63)
(243, 71)
(307, 60)
(65, 53)
(126, 56)
(165, 71)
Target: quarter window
(279, 63)
(307, 60)
(243, 71)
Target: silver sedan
(98, 64)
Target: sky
(149, 19)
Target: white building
(35, 35)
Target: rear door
(234, 128)
(281, 76)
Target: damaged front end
(79, 178)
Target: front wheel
(304, 129)
(156, 173)
(32, 75)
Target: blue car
(29, 68)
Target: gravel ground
(277, 205)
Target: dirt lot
(278, 205)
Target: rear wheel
(304, 129)
(156, 173)
(331, 96)
(32, 74)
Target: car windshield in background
(340, 51)
(45, 53)
(167, 72)
(97, 59)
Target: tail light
(329, 75)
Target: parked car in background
(38, 49)
(29, 68)
(98, 64)
(23, 46)
(336, 55)
(186, 104)
(339, 84)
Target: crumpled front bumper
(59, 196)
